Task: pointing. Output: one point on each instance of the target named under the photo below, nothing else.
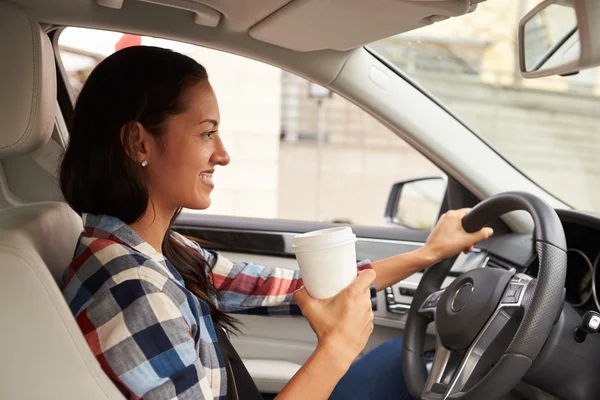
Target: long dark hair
(137, 84)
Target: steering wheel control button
(519, 290)
(513, 294)
(462, 296)
(432, 301)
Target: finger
(369, 303)
(468, 249)
(463, 211)
(301, 296)
(364, 309)
(364, 280)
(482, 234)
(366, 297)
(370, 318)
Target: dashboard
(582, 285)
(582, 231)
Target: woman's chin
(199, 204)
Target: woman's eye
(209, 134)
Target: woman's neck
(153, 225)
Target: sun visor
(203, 14)
(310, 25)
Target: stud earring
(144, 163)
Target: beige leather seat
(43, 354)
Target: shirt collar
(108, 227)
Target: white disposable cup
(327, 260)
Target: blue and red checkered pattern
(151, 335)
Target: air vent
(494, 262)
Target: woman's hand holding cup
(342, 323)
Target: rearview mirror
(416, 203)
(559, 37)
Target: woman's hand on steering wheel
(448, 238)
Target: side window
(298, 151)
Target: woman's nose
(220, 156)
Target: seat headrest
(27, 83)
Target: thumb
(364, 280)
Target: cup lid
(324, 237)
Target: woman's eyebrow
(212, 121)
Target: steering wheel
(478, 354)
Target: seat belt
(240, 385)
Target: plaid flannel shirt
(151, 335)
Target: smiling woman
(144, 144)
(124, 121)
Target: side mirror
(559, 37)
(416, 203)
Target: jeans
(377, 375)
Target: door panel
(275, 347)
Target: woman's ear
(136, 141)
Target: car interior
(526, 326)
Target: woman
(144, 144)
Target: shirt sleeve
(253, 289)
(247, 288)
(144, 342)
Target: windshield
(549, 128)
